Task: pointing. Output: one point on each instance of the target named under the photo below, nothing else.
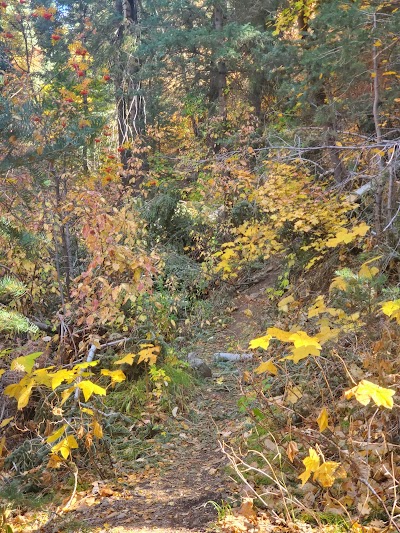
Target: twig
(74, 469)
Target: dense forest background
(158, 155)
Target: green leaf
(25, 362)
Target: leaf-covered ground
(184, 480)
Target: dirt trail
(176, 495)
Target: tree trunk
(218, 73)
(130, 103)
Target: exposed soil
(181, 490)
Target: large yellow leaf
(325, 473)
(126, 360)
(392, 309)
(66, 394)
(148, 354)
(323, 419)
(65, 446)
(301, 338)
(97, 430)
(267, 366)
(317, 308)
(116, 375)
(338, 283)
(62, 375)
(326, 334)
(361, 230)
(21, 391)
(88, 388)
(283, 305)
(301, 353)
(311, 463)
(56, 435)
(368, 272)
(43, 376)
(260, 342)
(279, 334)
(366, 391)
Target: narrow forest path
(189, 472)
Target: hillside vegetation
(175, 172)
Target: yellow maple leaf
(311, 463)
(325, 473)
(5, 422)
(62, 375)
(97, 430)
(267, 366)
(279, 334)
(301, 353)
(392, 309)
(43, 376)
(148, 354)
(66, 394)
(21, 391)
(88, 388)
(127, 359)
(117, 376)
(56, 435)
(260, 342)
(293, 394)
(283, 305)
(323, 420)
(301, 338)
(326, 333)
(366, 391)
(65, 446)
(338, 283)
(317, 308)
(361, 230)
(368, 272)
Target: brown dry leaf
(232, 524)
(293, 394)
(47, 478)
(363, 508)
(292, 450)
(246, 509)
(106, 491)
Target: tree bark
(218, 75)
(130, 103)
